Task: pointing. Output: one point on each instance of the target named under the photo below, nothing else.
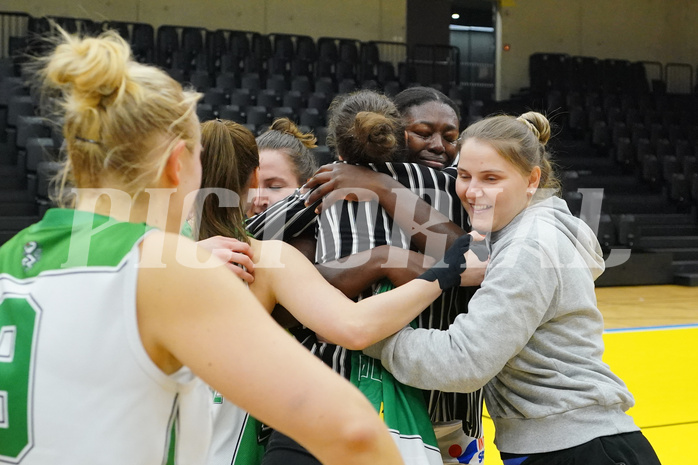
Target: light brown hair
(228, 159)
(285, 136)
(366, 127)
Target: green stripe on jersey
(67, 238)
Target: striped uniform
(76, 384)
(350, 227)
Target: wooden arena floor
(652, 344)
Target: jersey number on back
(19, 322)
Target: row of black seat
(561, 71)
(192, 49)
(653, 135)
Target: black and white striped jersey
(347, 228)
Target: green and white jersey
(235, 435)
(76, 384)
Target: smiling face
(277, 180)
(492, 189)
(432, 132)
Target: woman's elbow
(362, 438)
(355, 336)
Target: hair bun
(538, 124)
(287, 126)
(376, 129)
(93, 68)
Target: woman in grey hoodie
(533, 334)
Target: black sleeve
(285, 219)
(437, 188)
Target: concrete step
(641, 269)
(611, 184)
(17, 223)
(679, 253)
(15, 195)
(686, 279)
(647, 219)
(12, 177)
(11, 225)
(590, 165)
(669, 242)
(20, 208)
(684, 266)
(668, 230)
(617, 203)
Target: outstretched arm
(341, 180)
(325, 310)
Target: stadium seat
(302, 84)
(46, 171)
(625, 152)
(311, 117)
(201, 80)
(321, 135)
(277, 82)
(205, 112)
(670, 166)
(690, 166)
(269, 98)
(323, 155)
(319, 100)
(28, 127)
(627, 230)
(192, 46)
(346, 86)
(232, 113)
(574, 202)
(251, 81)
(40, 149)
(216, 97)
(392, 88)
(167, 47)
(651, 170)
(679, 189)
(326, 85)
(241, 97)
(19, 105)
(284, 112)
(293, 99)
(143, 42)
(258, 115)
(606, 233)
(226, 81)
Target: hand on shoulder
(236, 255)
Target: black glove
(448, 270)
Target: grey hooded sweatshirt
(532, 338)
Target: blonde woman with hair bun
(532, 336)
(112, 320)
